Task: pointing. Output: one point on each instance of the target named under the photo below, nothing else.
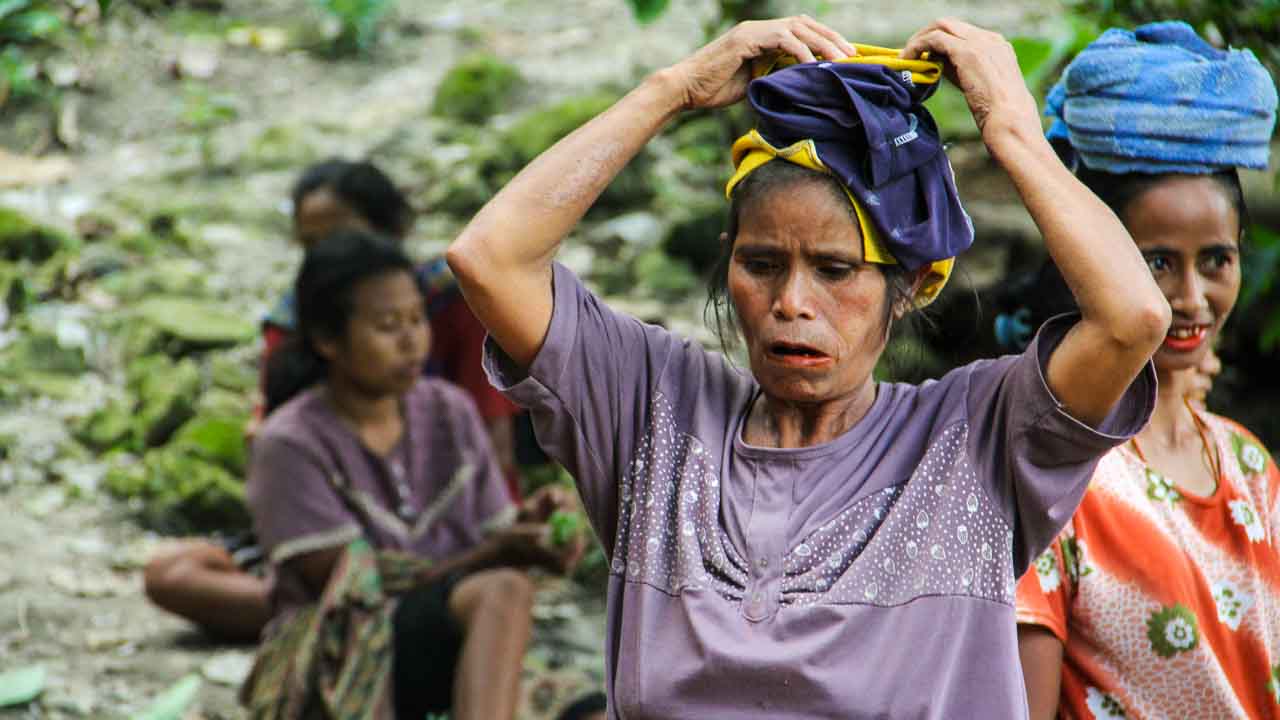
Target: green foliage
(1259, 285)
(476, 89)
(22, 685)
(646, 11)
(174, 702)
(195, 323)
(204, 112)
(22, 239)
(28, 21)
(357, 23)
(176, 491)
(565, 526)
(27, 28)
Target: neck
(1171, 423)
(784, 424)
(360, 408)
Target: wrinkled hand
(985, 68)
(717, 75)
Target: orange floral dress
(1167, 603)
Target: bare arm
(1124, 314)
(503, 257)
(1041, 655)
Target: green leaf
(194, 321)
(21, 686)
(1262, 267)
(9, 7)
(646, 11)
(172, 704)
(103, 6)
(31, 25)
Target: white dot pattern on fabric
(935, 534)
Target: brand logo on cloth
(906, 78)
(910, 134)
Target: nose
(794, 299)
(1189, 298)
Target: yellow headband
(752, 151)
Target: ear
(906, 305)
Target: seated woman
(383, 513)
(201, 580)
(795, 539)
(1161, 597)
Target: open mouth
(1186, 337)
(797, 354)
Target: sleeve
(589, 391)
(1044, 593)
(1036, 457)
(295, 509)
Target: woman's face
(1189, 233)
(387, 336)
(321, 212)
(810, 309)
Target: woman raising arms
(774, 534)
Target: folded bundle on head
(1160, 99)
(862, 121)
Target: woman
(204, 581)
(775, 535)
(383, 514)
(1161, 597)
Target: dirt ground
(70, 586)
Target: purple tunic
(868, 577)
(313, 485)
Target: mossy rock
(695, 234)
(476, 89)
(167, 393)
(218, 402)
(179, 276)
(173, 490)
(40, 352)
(219, 440)
(22, 239)
(280, 147)
(701, 140)
(196, 323)
(15, 291)
(232, 373)
(663, 277)
(108, 427)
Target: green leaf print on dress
(1102, 705)
(1273, 685)
(1173, 630)
(1073, 558)
(1047, 571)
(1253, 459)
(1161, 488)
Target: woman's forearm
(502, 258)
(1098, 259)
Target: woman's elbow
(463, 257)
(1145, 325)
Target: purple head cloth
(871, 129)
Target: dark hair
(1028, 301)
(771, 177)
(324, 302)
(363, 187)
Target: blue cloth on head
(871, 130)
(1160, 99)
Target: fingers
(820, 39)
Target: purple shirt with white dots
(871, 576)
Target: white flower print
(1179, 633)
(1253, 458)
(1232, 603)
(1102, 705)
(1245, 516)
(1047, 571)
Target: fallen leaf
(172, 704)
(21, 686)
(27, 170)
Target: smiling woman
(1173, 551)
(773, 534)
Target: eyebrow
(749, 250)
(1219, 247)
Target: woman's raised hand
(983, 65)
(717, 75)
